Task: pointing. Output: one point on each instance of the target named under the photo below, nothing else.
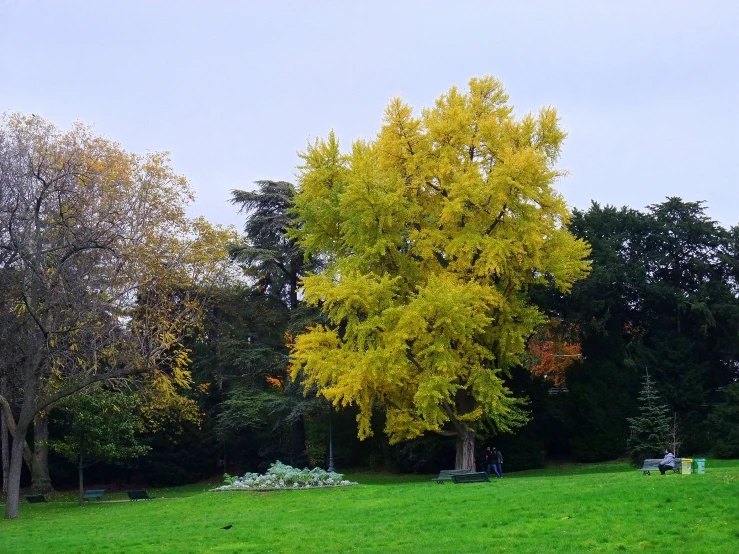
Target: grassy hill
(574, 508)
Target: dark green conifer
(651, 429)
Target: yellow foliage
(119, 272)
(163, 408)
(432, 232)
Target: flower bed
(283, 477)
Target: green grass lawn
(573, 508)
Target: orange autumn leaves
(275, 382)
(552, 351)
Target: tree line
(428, 288)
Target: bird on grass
(227, 527)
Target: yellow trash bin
(687, 466)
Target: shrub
(281, 477)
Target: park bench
(139, 495)
(446, 475)
(652, 464)
(472, 477)
(93, 493)
(35, 498)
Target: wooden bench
(446, 475)
(139, 495)
(652, 464)
(471, 477)
(35, 498)
(93, 493)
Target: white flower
(280, 476)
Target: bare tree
(105, 272)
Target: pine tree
(722, 424)
(651, 429)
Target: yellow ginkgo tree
(432, 234)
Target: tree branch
(478, 251)
(409, 355)
(447, 433)
(440, 190)
(497, 220)
(79, 385)
(34, 316)
(458, 425)
(9, 419)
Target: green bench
(471, 477)
(93, 493)
(447, 474)
(139, 495)
(35, 498)
(652, 464)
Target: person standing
(668, 462)
(488, 461)
(497, 463)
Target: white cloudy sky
(648, 91)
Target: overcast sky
(648, 91)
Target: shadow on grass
(113, 493)
(369, 477)
(555, 470)
(564, 469)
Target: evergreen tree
(651, 429)
(722, 425)
(267, 254)
(603, 387)
(663, 293)
(254, 327)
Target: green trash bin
(699, 465)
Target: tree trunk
(40, 479)
(293, 290)
(16, 464)
(465, 451)
(10, 427)
(82, 483)
(5, 452)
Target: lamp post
(330, 439)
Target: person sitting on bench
(668, 462)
